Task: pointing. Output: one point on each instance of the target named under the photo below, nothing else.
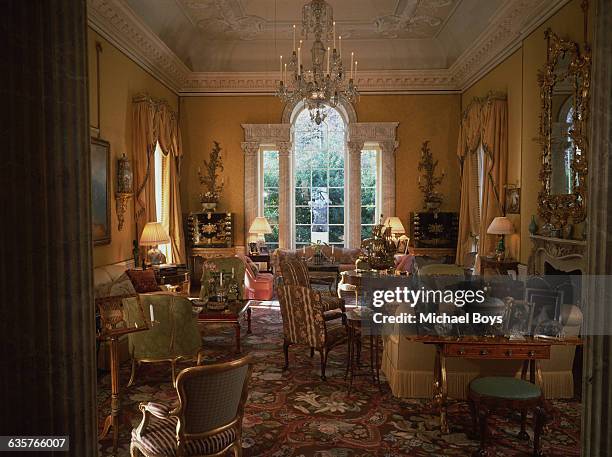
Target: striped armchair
(304, 323)
(208, 418)
(295, 273)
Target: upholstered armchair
(295, 273)
(257, 286)
(172, 336)
(225, 265)
(304, 323)
(208, 418)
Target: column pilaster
(251, 180)
(284, 197)
(388, 177)
(354, 180)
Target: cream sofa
(408, 366)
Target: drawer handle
(531, 353)
(509, 352)
(484, 352)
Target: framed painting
(513, 200)
(100, 192)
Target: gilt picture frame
(100, 191)
(513, 200)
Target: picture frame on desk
(253, 248)
(518, 319)
(545, 307)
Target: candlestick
(340, 46)
(299, 61)
(281, 68)
(355, 74)
(328, 60)
(232, 272)
(352, 63)
(293, 37)
(151, 313)
(221, 279)
(285, 75)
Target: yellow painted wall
(421, 117)
(517, 75)
(120, 80)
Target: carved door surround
(279, 135)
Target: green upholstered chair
(489, 394)
(208, 418)
(173, 335)
(211, 267)
(304, 323)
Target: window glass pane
(270, 197)
(302, 196)
(336, 233)
(368, 196)
(368, 215)
(366, 231)
(336, 178)
(336, 215)
(271, 213)
(302, 233)
(336, 196)
(319, 178)
(272, 237)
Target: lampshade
(396, 225)
(260, 226)
(501, 226)
(154, 234)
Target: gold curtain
(154, 121)
(484, 124)
(495, 146)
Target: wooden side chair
(208, 418)
(295, 273)
(488, 395)
(304, 323)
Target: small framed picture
(263, 250)
(402, 246)
(517, 320)
(253, 248)
(513, 200)
(545, 307)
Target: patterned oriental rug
(296, 414)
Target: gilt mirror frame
(561, 209)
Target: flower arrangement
(209, 176)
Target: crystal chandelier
(326, 82)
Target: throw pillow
(143, 280)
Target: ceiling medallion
(326, 82)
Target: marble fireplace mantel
(562, 254)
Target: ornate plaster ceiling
(233, 45)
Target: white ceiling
(232, 46)
(249, 35)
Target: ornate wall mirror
(564, 91)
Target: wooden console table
(529, 350)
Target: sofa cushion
(143, 280)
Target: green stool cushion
(505, 387)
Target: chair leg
(474, 416)
(237, 449)
(541, 418)
(286, 352)
(483, 415)
(173, 367)
(323, 363)
(133, 450)
(133, 373)
(523, 435)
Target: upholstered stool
(489, 394)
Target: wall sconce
(125, 184)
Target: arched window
(319, 179)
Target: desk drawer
(496, 351)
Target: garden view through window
(270, 195)
(319, 179)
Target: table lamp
(501, 226)
(397, 228)
(260, 227)
(153, 235)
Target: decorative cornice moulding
(115, 21)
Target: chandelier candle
(328, 55)
(340, 46)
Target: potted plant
(209, 179)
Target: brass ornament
(570, 208)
